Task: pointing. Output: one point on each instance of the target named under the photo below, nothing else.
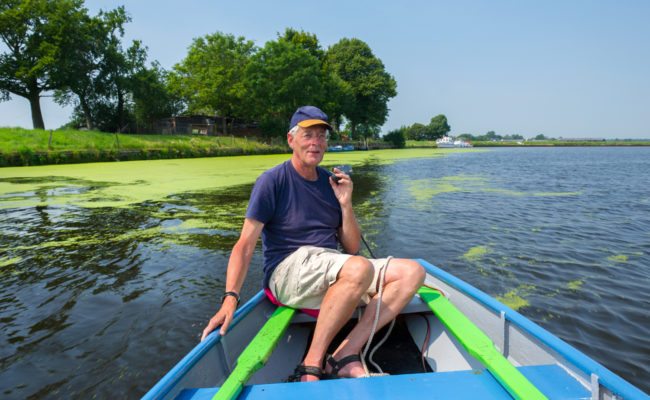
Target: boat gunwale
(178, 372)
(606, 378)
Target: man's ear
(290, 139)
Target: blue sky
(562, 68)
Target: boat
(452, 341)
(461, 144)
(445, 142)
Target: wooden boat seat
(552, 380)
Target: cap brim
(311, 122)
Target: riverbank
(24, 147)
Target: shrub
(396, 138)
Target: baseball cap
(307, 116)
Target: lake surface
(109, 272)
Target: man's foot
(306, 373)
(347, 367)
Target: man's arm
(349, 233)
(240, 258)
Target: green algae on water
(6, 261)
(476, 253)
(619, 258)
(121, 184)
(574, 285)
(515, 298)
(425, 189)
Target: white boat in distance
(446, 142)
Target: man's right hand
(222, 318)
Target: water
(102, 301)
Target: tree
(417, 131)
(438, 127)
(280, 78)
(338, 94)
(541, 137)
(363, 131)
(491, 135)
(210, 79)
(468, 136)
(152, 98)
(111, 106)
(83, 72)
(370, 85)
(307, 41)
(39, 35)
(396, 137)
(118, 69)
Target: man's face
(309, 144)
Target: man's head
(308, 136)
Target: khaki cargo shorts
(302, 279)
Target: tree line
(55, 46)
(491, 135)
(435, 129)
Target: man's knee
(357, 270)
(411, 273)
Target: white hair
(294, 130)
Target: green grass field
(34, 147)
(17, 139)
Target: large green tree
(38, 35)
(338, 94)
(438, 127)
(210, 79)
(371, 87)
(111, 103)
(86, 73)
(280, 78)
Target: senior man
(303, 214)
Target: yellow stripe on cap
(311, 122)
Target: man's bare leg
(337, 307)
(403, 278)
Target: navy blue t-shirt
(295, 212)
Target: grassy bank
(37, 147)
(420, 144)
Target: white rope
(382, 276)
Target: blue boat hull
(558, 370)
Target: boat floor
(552, 380)
(401, 357)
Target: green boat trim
(256, 353)
(480, 346)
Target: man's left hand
(342, 189)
